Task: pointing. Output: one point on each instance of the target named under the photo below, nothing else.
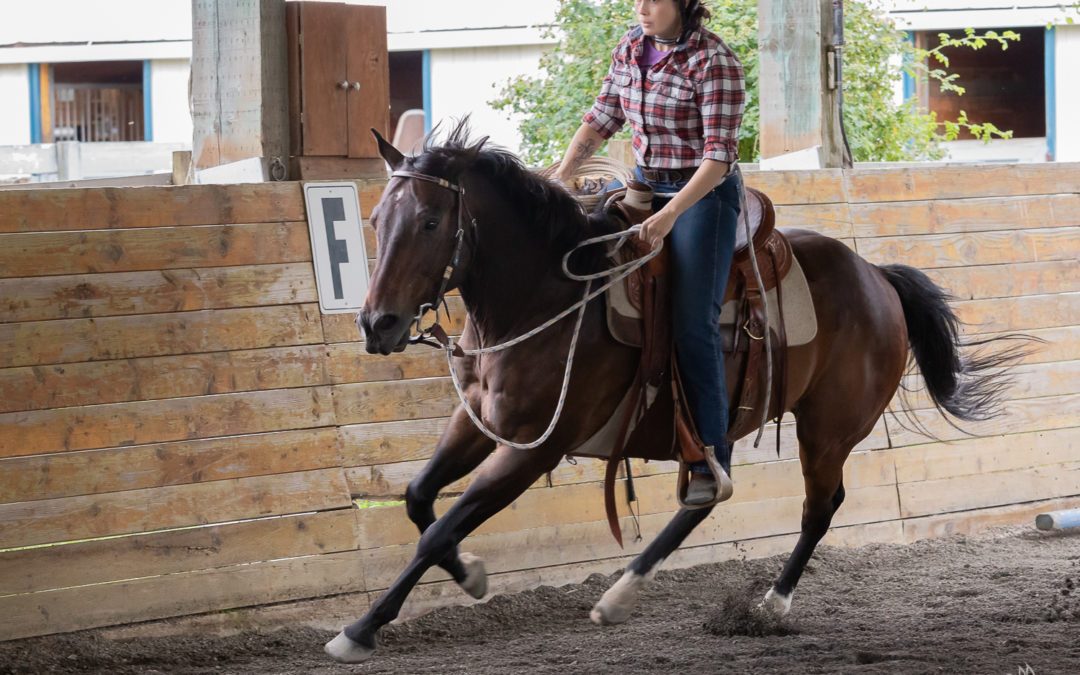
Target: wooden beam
(139, 422)
(239, 82)
(176, 551)
(45, 253)
(34, 343)
(117, 469)
(123, 208)
(91, 516)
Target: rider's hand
(656, 227)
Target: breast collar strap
(425, 335)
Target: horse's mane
(549, 207)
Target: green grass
(373, 504)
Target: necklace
(665, 41)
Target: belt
(667, 175)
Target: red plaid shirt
(686, 108)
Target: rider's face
(659, 17)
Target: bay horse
(514, 228)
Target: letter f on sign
(334, 212)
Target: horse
(504, 231)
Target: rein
(443, 341)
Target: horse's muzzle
(383, 333)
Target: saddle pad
(799, 317)
(601, 443)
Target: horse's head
(417, 223)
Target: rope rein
(616, 274)
(619, 272)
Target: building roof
(77, 30)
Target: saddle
(655, 424)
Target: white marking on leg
(475, 583)
(618, 602)
(778, 604)
(344, 650)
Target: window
(96, 102)
(406, 85)
(1007, 88)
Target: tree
(878, 128)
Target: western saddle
(657, 397)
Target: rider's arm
(585, 142)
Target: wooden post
(799, 110)
(239, 84)
(181, 167)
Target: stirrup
(724, 486)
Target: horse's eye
(431, 224)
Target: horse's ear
(472, 153)
(391, 154)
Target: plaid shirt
(685, 109)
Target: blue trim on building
(425, 69)
(1049, 67)
(147, 103)
(909, 80)
(34, 75)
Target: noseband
(436, 331)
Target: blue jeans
(702, 244)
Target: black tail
(969, 379)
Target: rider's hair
(694, 13)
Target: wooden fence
(182, 431)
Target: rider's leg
(703, 242)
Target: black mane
(548, 206)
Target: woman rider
(682, 90)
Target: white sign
(337, 245)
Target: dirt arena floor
(1002, 601)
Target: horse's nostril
(385, 322)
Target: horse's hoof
(778, 604)
(617, 603)
(475, 583)
(345, 650)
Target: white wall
(15, 106)
(45, 21)
(1066, 57)
(169, 101)
(464, 80)
(1010, 150)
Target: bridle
(435, 335)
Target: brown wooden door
(343, 73)
(368, 66)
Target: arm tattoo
(582, 152)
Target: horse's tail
(967, 379)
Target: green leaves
(879, 128)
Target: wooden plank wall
(181, 431)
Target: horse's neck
(513, 283)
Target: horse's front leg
(618, 601)
(502, 477)
(460, 450)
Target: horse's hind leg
(503, 477)
(824, 494)
(461, 449)
(618, 601)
